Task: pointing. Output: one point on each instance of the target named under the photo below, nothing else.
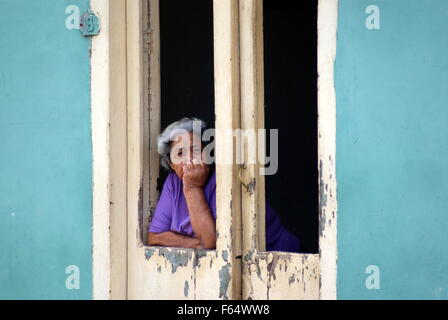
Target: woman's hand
(195, 174)
(196, 244)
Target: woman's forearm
(201, 217)
(172, 239)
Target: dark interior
(290, 70)
(290, 52)
(186, 63)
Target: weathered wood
(282, 276)
(170, 273)
(227, 104)
(174, 273)
(327, 26)
(151, 121)
(108, 90)
(266, 275)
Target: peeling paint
(225, 255)
(251, 186)
(198, 255)
(224, 279)
(140, 231)
(322, 201)
(176, 257)
(271, 266)
(149, 253)
(248, 256)
(231, 232)
(275, 282)
(186, 288)
(257, 265)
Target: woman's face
(186, 147)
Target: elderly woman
(186, 212)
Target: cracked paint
(149, 253)
(225, 255)
(198, 255)
(291, 280)
(279, 274)
(140, 212)
(224, 279)
(186, 288)
(322, 201)
(176, 258)
(251, 186)
(271, 267)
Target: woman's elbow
(151, 239)
(209, 244)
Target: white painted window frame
(252, 117)
(222, 278)
(111, 98)
(327, 21)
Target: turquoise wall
(45, 146)
(392, 149)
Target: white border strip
(100, 92)
(327, 32)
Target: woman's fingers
(190, 165)
(202, 164)
(197, 163)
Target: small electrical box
(89, 24)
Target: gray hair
(168, 135)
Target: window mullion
(252, 119)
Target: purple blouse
(171, 214)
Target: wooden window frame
(215, 273)
(252, 109)
(119, 146)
